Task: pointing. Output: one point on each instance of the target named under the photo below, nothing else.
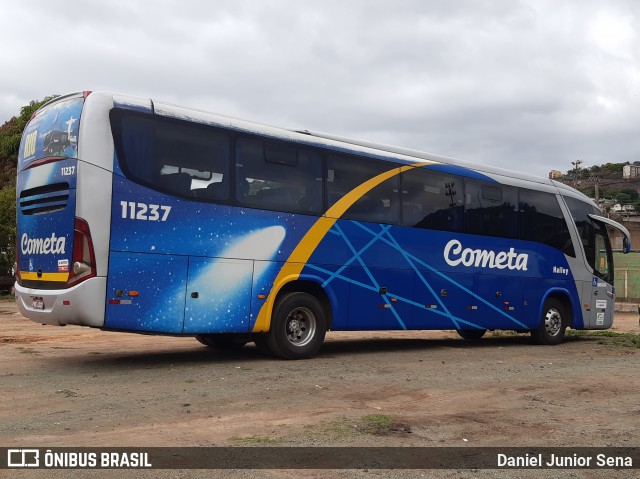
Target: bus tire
(228, 342)
(298, 326)
(262, 345)
(553, 323)
(471, 334)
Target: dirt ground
(74, 386)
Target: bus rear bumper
(83, 304)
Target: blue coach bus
(136, 215)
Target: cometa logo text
(51, 245)
(455, 255)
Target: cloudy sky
(524, 84)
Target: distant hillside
(611, 184)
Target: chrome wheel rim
(301, 326)
(553, 322)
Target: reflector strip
(31, 276)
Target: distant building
(606, 203)
(553, 174)
(631, 171)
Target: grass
(503, 332)
(27, 351)
(256, 440)
(608, 338)
(338, 430)
(344, 429)
(375, 424)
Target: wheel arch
(565, 298)
(314, 288)
(304, 284)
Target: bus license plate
(37, 303)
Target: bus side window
(541, 220)
(173, 156)
(380, 204)
(491, 209)
(432, 200)
(179, 183)
(278, 177)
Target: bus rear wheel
(228, 342)
(298, 327)
(553, 323)
(471, 334)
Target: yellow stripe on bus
(310, 241)
(30, 276)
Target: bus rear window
(53, 132)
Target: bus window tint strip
(192, 161)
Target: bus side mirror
(626, 245)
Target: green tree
(622, 198)
(7, 227)
(631, 193)
(10, 135)
(613, 169)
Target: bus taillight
(83, 260)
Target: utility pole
(576, 164)
(596, 185)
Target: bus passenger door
(599, 306)
(218, 295)
(602, 302)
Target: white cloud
(531, 85)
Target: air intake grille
(44, 199)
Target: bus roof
(369, 148)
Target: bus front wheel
(298, 327)
(553, 323)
